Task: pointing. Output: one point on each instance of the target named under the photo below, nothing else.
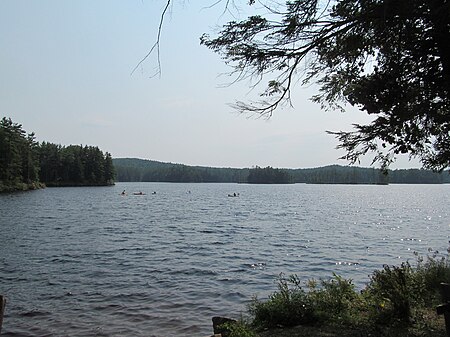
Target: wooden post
(2, 310)
(445, 307)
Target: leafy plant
(238, 329)
(397, 300)
(334, 299)
(429, 275)
(289, 306)
(389, 294)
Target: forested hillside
(26, 164)
(132, 169)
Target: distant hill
(133, 169)
(142, 163)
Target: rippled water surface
(90, 262)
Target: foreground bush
(396, 297)
(334, 300)
(289, 306)
(390, 294)
(240, 328)
(429, 275)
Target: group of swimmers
(124, 192)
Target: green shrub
(389, 294)
(238, 329)
(429, 275)
(396, 294)
(334, 300)
(396, 297)
(289, 306)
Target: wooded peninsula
(25, 164)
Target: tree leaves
(389, 58)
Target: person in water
(123, 192)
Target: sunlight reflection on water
(89, 262)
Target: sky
(66, 75)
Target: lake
(90, 262)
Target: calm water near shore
(90, 262)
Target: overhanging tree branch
(389, 58)
(156, 44)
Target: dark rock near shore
(218, 325)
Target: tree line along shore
(26, 164)
(141, 170)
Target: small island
(268, 175)
(25, 164)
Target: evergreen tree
(109, 169)
(268, 175)
(49, 158)
(24, 163)
(18, 157)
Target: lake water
(90, 262)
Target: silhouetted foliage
(389, 58)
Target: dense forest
(132, 169)
(26, 164)
(268, 175)
(74, 165)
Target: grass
(397, 301)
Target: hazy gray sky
(65, 74)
